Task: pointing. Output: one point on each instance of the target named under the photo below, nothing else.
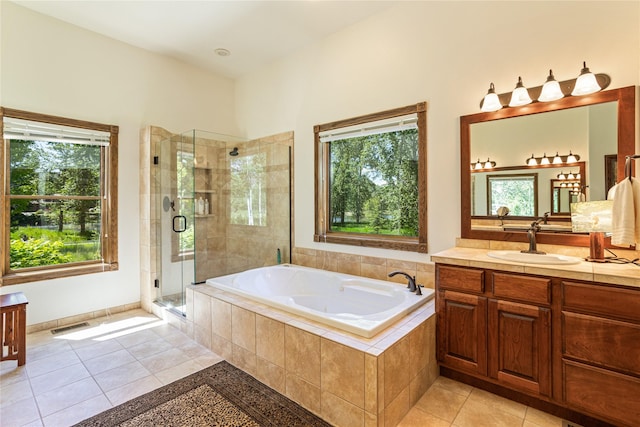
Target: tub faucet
(531, 234)
(412, 286)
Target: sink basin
(549, 259)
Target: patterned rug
(220, 396)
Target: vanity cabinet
(495, 325)
(566, 346)
(601, 350)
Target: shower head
(234, 152)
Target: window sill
(395, 243)
(55, 273)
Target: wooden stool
(13, 310)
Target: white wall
(54, 68)
(445, 53)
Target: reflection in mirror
(598, 127)
(563, 193)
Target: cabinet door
(520, 346)
(462, 328)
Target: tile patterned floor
(71, 376)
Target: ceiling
(255, 32)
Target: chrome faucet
(411, 285)
(531, 234)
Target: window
(518, 192)
(371, 180)
(248, 196)
(60, 197)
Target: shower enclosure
(223, 205)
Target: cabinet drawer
(464, 279)
(529, 289)
(603, 300)
(607, 395)
(605, 342)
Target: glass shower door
(175, 231)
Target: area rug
(220, 396)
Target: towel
(625, 219)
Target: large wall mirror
(599, 128)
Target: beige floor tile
(47, 349)
(179, 371)
(15, 392)
(20, 412)
(51, 363)
(136, 338)
(541, 419)
(441, 402)
(78, 412)
(58, 378)
(418, 418)
(475, 413)
(208, 360)
(165, 360)
(11, 373)
(104, 363)
(149, 348)
(98, 348)
(134, 389)
(67, 396)
(117, 377)
(489, 399)
(453, 386)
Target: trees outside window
(517, 192)
(58, 194)
(371, 180)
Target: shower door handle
(181, 222)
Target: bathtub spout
(412, 280)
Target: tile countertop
(617, 274)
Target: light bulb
(571, 158)
(532, 161)
(561, 175)
(557, 159)
(478, 164)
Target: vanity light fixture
(489, 164)
(520, 95)
(550, 90)
(561, 175)
(490, 102)
(586, 82)
(544, 160)
(571, 176)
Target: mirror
(600, 128)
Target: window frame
(109, 206)
(322, 168)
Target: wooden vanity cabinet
(601, 351)
(569, 347)
(496, 325)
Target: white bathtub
(354, 304)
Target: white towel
(625, 219)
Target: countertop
(616, 274)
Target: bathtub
(351, 303)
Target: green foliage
(36, 253)
(374, 184)
(36, 247)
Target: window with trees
(59, 197)
(518, 192)
(371, 180)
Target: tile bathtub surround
(345, 379)
(367, 266)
